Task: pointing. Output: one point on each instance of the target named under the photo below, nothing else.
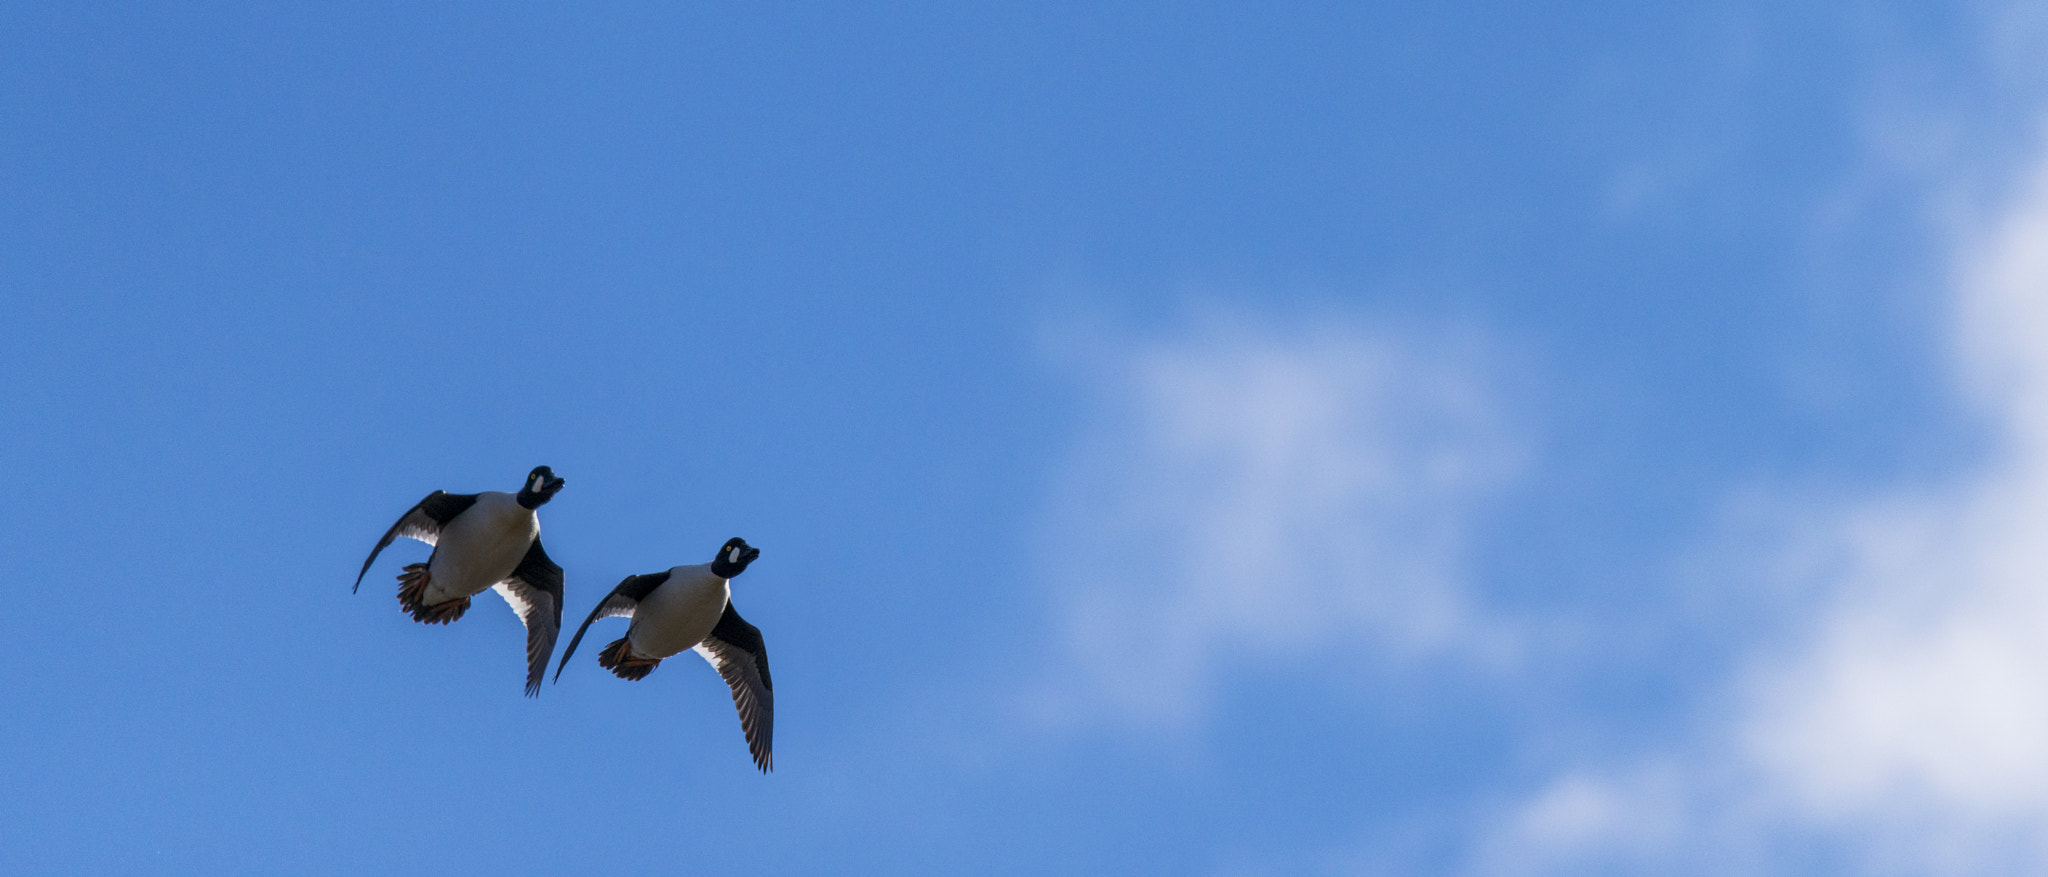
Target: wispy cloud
(1252, 492)
(1925, 690)
(1905, 729)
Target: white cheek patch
(734, 555)
(536, 484)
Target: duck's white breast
(480, 547)
(680, 613)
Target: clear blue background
(269, 275)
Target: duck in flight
(690, 607)
(484, 541)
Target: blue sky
(1464, 439)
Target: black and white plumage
(484, 541)
(690, 607)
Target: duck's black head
(733, 558)
(541, 485)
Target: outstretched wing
(423, 522)
(735, 649)
(621, 601)
(535, 591)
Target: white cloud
(1255, 492)
(1582, 822)
(1926, 687)
(1906, 729)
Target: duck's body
(679, 613)
(480, 547)
(690, 608)
(483, 541)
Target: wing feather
(535, 591)
(735, 649)
(621, 601)
(423, 522)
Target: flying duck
(690, 607)
(483, 541)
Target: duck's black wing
(735, 649)
(423, 522)
(535, 591)
(621, 601)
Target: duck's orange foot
(412, 586)
(620, 659)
